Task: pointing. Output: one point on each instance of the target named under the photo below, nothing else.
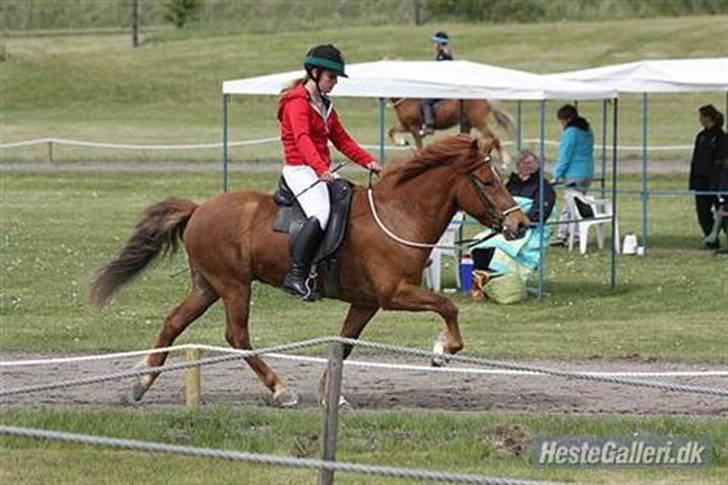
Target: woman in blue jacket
(575, 166)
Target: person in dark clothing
(523, 183)
(442, 53)
(720, 220)
(705, 167)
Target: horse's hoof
(440, 359)
(343, 403)
(285, 399)
(137, 392)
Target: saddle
(290, 219)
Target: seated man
(514, 260)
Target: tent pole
(613, 279)
(225, 100)
(519, 133)
(604, 147)
(644, 195)
(382, 113)
(542, 251)
(462, 117)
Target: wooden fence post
(192, 381)
(331, 418)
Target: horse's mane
(458, 151)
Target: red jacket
(305, 134)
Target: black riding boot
(303, 249)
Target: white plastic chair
(433, 273)
(592, 213)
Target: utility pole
(135, 23)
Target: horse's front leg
(414, 298)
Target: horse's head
(479, 191)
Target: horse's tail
(159, 231)
(503, 119)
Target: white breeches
(315, 201)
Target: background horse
(230, 243)
(447, 115)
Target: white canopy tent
(655, 76)
(441, 80)
(658, 76)
(432, 79)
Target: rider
(307, 122)
(442, 53)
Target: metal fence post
(50, 151)
(192, 381)
(334, 374)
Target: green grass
(464, 443)
(98, 88)
(58, 229)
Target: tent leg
(463, 121)
(382, 107)
(604, 148)
(519, 121)
(541, 244)
(613, 277)
(644, 194)
(225, 101)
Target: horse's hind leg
(237, 306)
(192, 307)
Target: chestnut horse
(230, 242)
(447, 115)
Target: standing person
(441, 43)
(575, 166)
(705, 167)
(307, 122)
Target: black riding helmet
(325, 56)
(440, 38)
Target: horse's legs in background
(191, 308)
(489, 137)
(414, 298)
(236, 298)
(355, 321)
(399, 141)
(418, 139)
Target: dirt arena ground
(233, 383)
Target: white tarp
(660, 76)
(433, 79)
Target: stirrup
(310, 284)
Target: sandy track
(233, 383)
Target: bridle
(498, 217)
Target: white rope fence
(261, 459)
(327, 466)
(274, 139)
(511, 368)
(349, 362)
